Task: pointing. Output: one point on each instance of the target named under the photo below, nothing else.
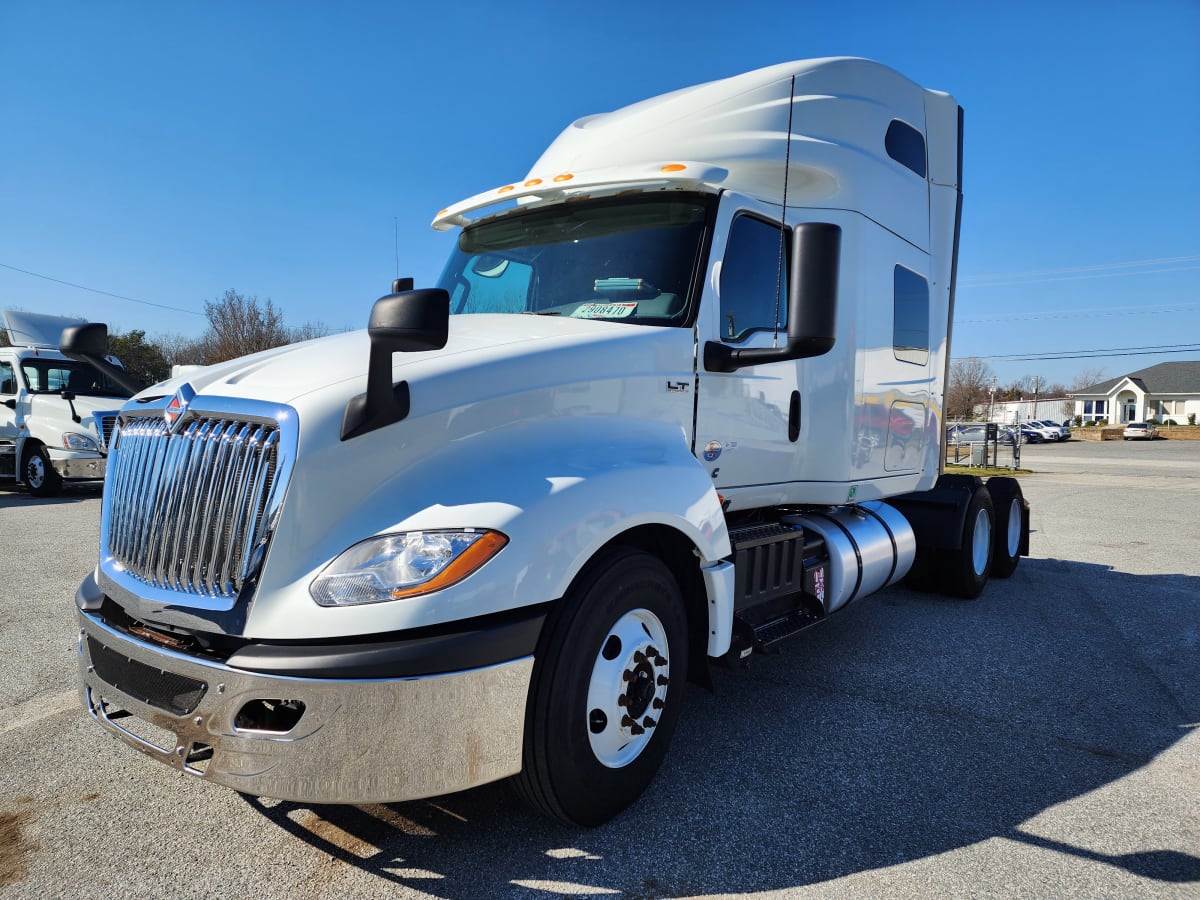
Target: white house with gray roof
(1168, 392)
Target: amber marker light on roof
(533, 182)
(505, 189)
(673, 167)
(565, 176)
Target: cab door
(8, 419)
(747, 420)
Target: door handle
(794, 417)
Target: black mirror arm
(407, 321)
(69, 396)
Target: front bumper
(78, 464)
(357, 741)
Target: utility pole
(1037, 383)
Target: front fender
(559, 489)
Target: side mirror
(85, 340)
(11, 402)
(89, 343)
(407, 321)
(812, 304)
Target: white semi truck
(677, 396)
(57, 413)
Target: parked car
(976, 434)
(1012, 434)
(1064, 433)
(1140, 431)
(1032, 435)
(1047, 433)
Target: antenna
(787, 165)
(396, 237)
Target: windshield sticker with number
(604, 310)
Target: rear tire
(606, 692)
(1009, 506)
(965, 570)
(38, 473)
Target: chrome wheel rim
(35, 471)
(1014, 527)
(981, 542)
(628, 688)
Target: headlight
(73, 441)
(404, 565)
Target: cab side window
(753, 289)
(8, 383)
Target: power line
(1026, 281)
(83, 287)
(1098, 312)
(1072, 273)
(1157, 350)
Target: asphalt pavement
(1041, 741)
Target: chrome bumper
(356, 742)
(80, 466)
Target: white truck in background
(57, 413)
(677, 396)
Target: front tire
(38, 473)
(607, 688)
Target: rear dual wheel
(607, 686)
(965, 570)
(961, 572)
(1009, 506)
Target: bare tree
(308, 331)
(967, 386)
(1087, 377)
(240, 325)
(180, 350)
(237, 326)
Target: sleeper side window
(906, 146)
(910, 333)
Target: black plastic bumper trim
(486, 641)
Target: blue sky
(166, 152)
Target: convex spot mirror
(489, 266)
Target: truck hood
(338, 364)
(513, 412)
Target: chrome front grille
(107, 424)
(188, 512)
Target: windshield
(53, 376)
(632, 260)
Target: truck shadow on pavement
(910, 726)
(14, 496)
